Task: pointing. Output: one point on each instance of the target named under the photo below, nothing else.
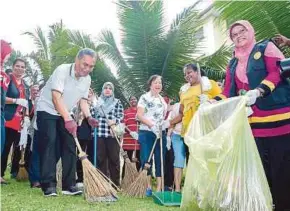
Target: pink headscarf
(5, 50)
(243, 53)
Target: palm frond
(41, 42)
(142, 28)
(80, 39)
(107, 47)
(179, 45)
(102, 74)
(215, 65)
(267, 17)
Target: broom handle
(152, 150)
(95, 147)
(161, 159)
(111, 128)
(130, 131)
(199, 75)
(78, 145)
(22, 155)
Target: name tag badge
(257, 55)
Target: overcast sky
(89, 16)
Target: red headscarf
(5, 50)
(243, 53)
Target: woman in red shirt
(16, 104)
(130, 145)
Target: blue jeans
(146, 140)
(34, 167)
(2, 132)
(179, 150)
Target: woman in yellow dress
(196, 91)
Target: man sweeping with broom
(68, 84)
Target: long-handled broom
(22, 174)
(138, 187)
(130, 168)
(97, 187)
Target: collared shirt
(155, 109)
(63, 80)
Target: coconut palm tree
(150, 46)
(61, 46)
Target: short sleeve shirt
(63, 80)
(155, 109)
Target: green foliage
(149, 46)
(267, 17)
(61, 46)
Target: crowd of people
(67, 107)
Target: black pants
(130, 154)
(109, 157)
(54, 139)
(275, 156)
(87, 146)
(169, 172)
(12, 137)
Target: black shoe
(51, 191)
(72, 191)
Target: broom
(97, 187)
(138, 187)
(22, 174)
(130, 168)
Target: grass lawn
(19, 196)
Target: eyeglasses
(236, 35)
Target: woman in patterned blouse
(151, 111)
(108, 149)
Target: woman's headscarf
(5, 50)
(107, 102)
(243, 53)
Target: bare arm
(144, 120)
(85, 108)
(177, 119)
(10, 100)
(59, 105)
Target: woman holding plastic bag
(254, 72)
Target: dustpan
(167, 198)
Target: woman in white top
(151, 111)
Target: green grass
(19, 196)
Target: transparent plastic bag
(224, 171)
